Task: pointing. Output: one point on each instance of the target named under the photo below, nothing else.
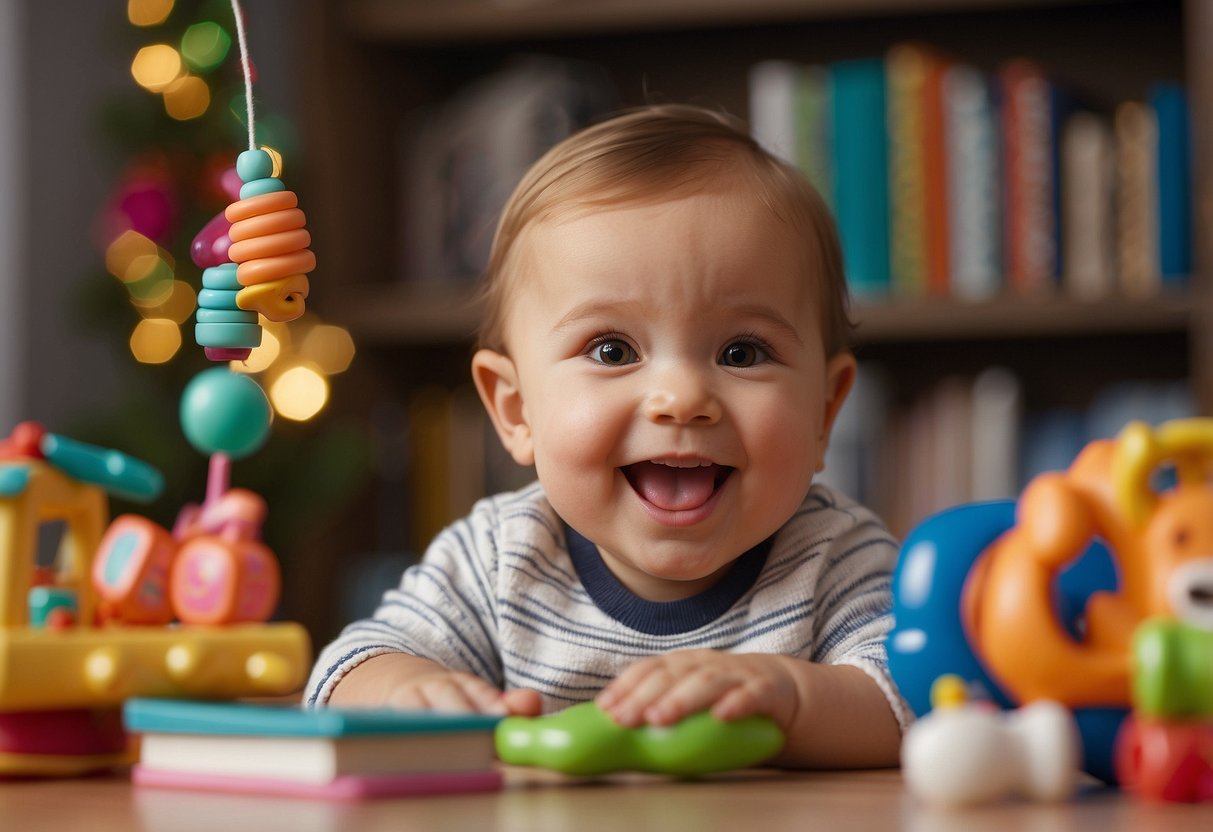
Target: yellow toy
(64, 672)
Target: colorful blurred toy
(965, 753)
(1040, 599)
(74, 640)
(584, 740)
(266, 243)
(1165, 748)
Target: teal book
(325, 753)
(861, 172)
(179, 716)
(1170, 105)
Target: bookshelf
(377, 64)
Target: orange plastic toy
(1008, 601)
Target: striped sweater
(513, 595)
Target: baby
(665, 339)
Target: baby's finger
(739, 702)
(628, 710)
(690, 694)
(486, 698)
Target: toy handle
(118, 473)
(1139, 450)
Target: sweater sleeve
(443, 609)
(853, 603)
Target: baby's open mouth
(676, 487)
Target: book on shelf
(944, 179)
(1169, 103)
(326, 753)
(861, 182)
(918, 175)
(974, 194)
(1032, 111)
(772, 86)
(1088, 194)
(789, 117)
(1138, 259)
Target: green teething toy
(584, 740)
(1173, 676)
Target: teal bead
(217, 299)
(221, 277)
(261, 186)
(225, 412)
(225, 316)
(254, 164)
(116, 472)
(231, 335)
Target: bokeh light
(328, 347)
(151, 281)
(177, 307)
(148, 12)
(155, 340)
(156, 67)
(262, 357)
(205, 45)
(187, 97)
(125, 250)
(299, 393)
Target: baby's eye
(613, 352)
(742, 354)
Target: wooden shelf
(442, 313)
(419, 21)
(940, 319)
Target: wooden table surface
(752, 801)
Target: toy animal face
(1178, 543)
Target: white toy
(965, 753)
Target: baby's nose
(682, 397)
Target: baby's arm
(398, 680)
(834, 716)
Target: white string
(247, 66)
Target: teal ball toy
(225, 412)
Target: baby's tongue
(673, 489)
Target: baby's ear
(840, 377)
(497, 382)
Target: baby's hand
(443, 690)
(665, 689)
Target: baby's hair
(653, 153)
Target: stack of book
(328, 753)
(946, 180)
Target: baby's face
(675, 390)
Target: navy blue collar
(662, 618)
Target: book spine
(1137, 199)
(814, 154)
(1172, 163)
(1029, 118)
(935, 175)
(772, 86)
(861, 186)
(974, 188)
(906, 77)
(1088, 193)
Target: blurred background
(1021, 189)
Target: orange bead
(255, 206)
(270, 245)
(266, 269)
(263, 224)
